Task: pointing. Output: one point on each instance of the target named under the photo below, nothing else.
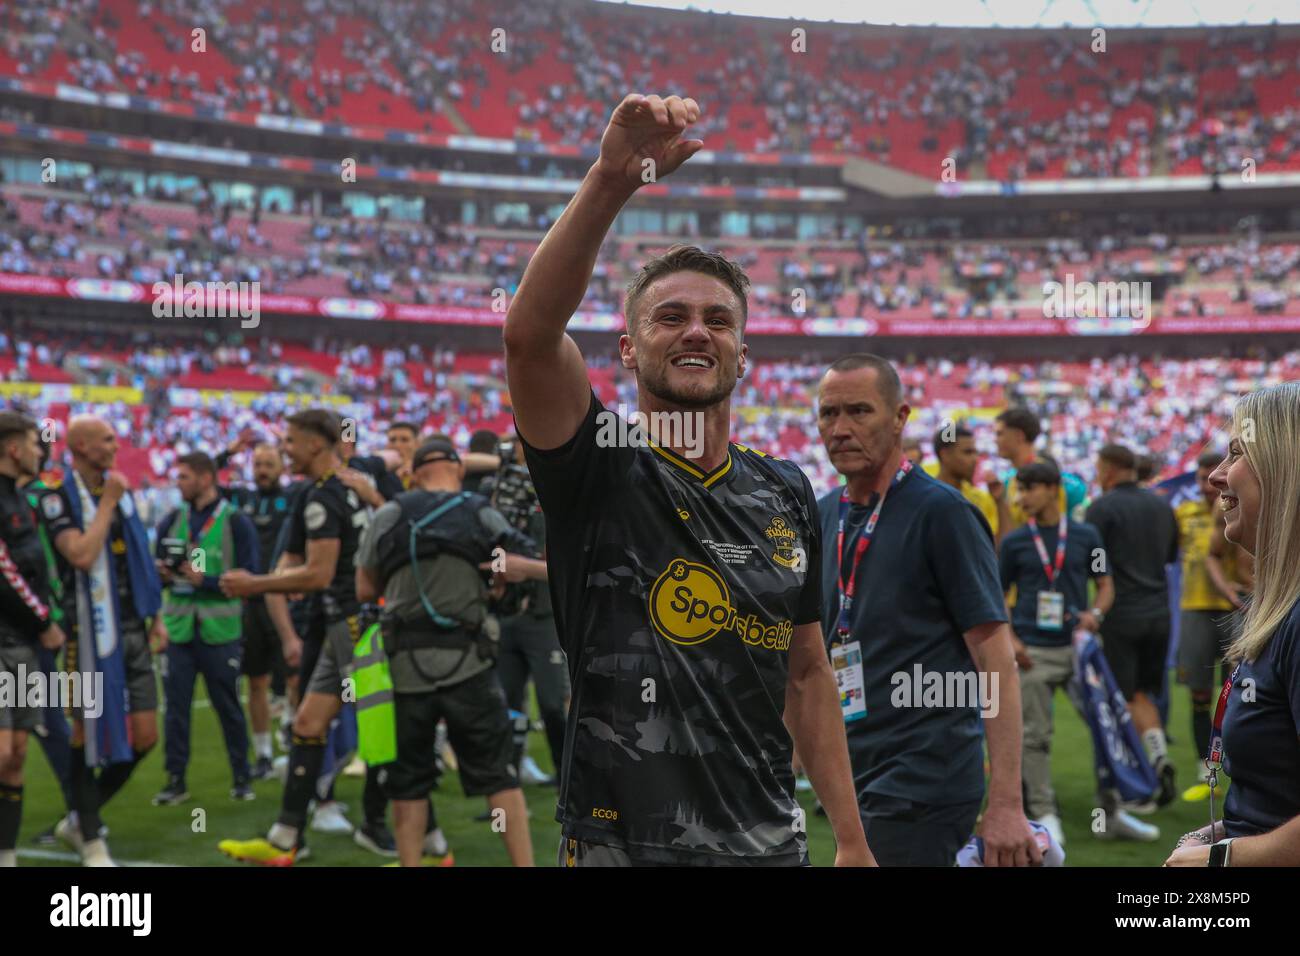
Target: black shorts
(16, 660)
(478, 729)
(1137, 650)
(262, 652)
(141, 682)
(332, 658)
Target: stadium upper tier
(100, 229)
(1003, 105)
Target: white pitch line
(63, 857)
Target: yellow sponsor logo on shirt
(690, 603)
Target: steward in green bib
(202, 538)
(435, 554)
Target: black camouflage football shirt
(676, 596)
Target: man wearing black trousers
(196, 543)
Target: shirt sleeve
(56, 512)
(1096, 516)
(1006, 565)
(385, 520)
(246, 549)
(322, 515)
(505, 535)
(959, 548)
(388, 484)
(19, 601)
(810, 598)
(579, 474)
(1286, 655)
(1096, 545)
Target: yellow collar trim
(709, 479)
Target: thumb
(682, 151)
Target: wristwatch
(1097, 613)
(1221, 852)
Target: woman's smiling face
(1239, 496)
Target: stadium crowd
(98, 226)
(1168, 408)
(1133, 109)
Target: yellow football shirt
(980, 498)
(1195, 532)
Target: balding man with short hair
(911, 596)
(94, 525)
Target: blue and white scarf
(99, 619)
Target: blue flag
(1121, 762)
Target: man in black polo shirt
(686, 591)
(268, 504)
(1049, 560)
(1140, 534)
(912, 602)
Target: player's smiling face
(301, 447)
(686, 348)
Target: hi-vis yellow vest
(376, 710)
(218, 617)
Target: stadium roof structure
(1014, 14)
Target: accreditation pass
(846, 661)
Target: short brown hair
(1119, 456)
(684, 258)
(318, 421)
(1022, 419)
(14, 424)
(198, 462)
(405, 426)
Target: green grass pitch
(141, 833)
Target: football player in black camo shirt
(27, 618)
(319, 559)
(686, 584)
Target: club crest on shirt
(788, 554)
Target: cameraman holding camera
(197, 542)
(425, 552)
(530, 644)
